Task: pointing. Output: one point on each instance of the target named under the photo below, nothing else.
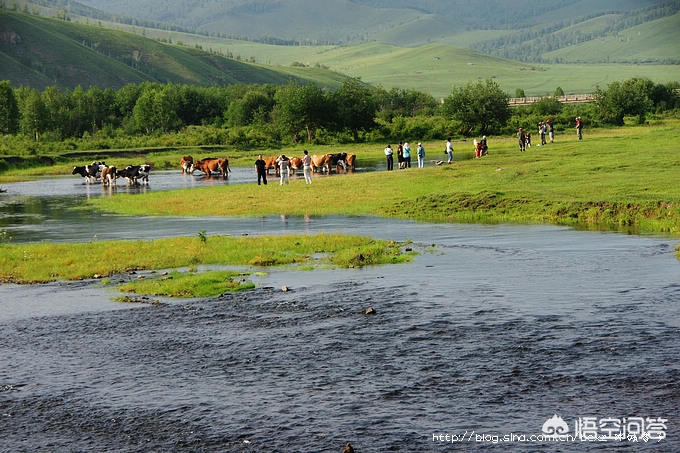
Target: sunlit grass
(187, 284)
(44, 262)
(622, 178)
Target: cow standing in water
(212, 165)
(295, 164)
(350, 161)
(185, 163)
(270, 162)
(109, 175)
(323, 162)
(135, 172)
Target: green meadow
(619, 179)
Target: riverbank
(621, 179)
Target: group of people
(524, 137)
(481, 148)
(283, 165)
(546, 127)
(404, 155)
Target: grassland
(621, 179)
(44, 262)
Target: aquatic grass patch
(187, 284)
(44, 262)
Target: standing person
(407, 155)
(390, 158)
(284, 168)
(579, 128)
(483, 146)
(421, 155)
(449, 150)
(551, 130)
(307, 167)
(527, 140)
(261, 172)
(521, 139)
(400, 155)
(541, 132)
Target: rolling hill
(40, 52)
(514, 29)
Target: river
(482, 339)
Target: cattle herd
(323, 162)
(320, 163)
(134, 174)
(108, 174)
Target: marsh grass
(183, 284)
(44, 262)
(622, 179)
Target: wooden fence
(568, 99)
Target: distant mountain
(522, 30)
(39, 52)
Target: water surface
(491, 330)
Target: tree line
(274, 115)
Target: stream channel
(492, 339)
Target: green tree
(547, 106)
(632, 97)
(56, 107)
(479, 106)
(9, 109)
(519, 93)
(559, 92)
(155, 112)
(356, 107)
(301, 109)
(405, 103)
(33, 114)
(254, 107)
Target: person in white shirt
(307, 167)
(284, 168)
(390, 158)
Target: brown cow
(108, 175)
(185, 163)
(270, 162)
(351, 160)
(210, 165)
(322, 162)
(295, 164)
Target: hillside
(657, 41)
(40, 52)
(522, 30)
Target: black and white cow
(338, 159)
(89, 172)
(135, 172)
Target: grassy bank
(622, 179)
(44, 262)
